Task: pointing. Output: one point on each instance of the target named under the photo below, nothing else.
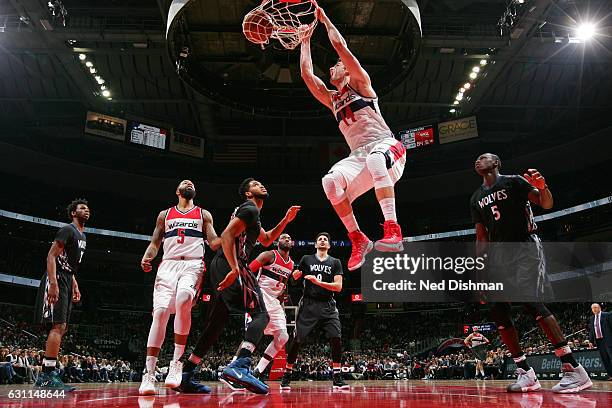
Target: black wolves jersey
(324, 270)
(504, 209)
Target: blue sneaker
(191, 386)
(239, 371)
(52, 381)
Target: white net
(288, 21)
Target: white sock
(151, 362)
(388, 209)
(262, 365)
(350, 222)
(179, 349)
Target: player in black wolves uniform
(243, 294)
(501, 211)
(59, 289)
(322, 277)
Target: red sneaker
(392, 240)
(361, 246)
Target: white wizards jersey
(477, 339)
(359, 118)
(183, 238)
(273, 278)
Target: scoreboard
(147, 135)
(418, 137)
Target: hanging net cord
(291, 21)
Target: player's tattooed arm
(56, 249)
(267, 238)
(467, 340)
(156, 239)
(214, 241)
(336, 286)
(359, 76)
(314, 84)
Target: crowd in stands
(382, 350)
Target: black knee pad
(501, 315)
(537, 310)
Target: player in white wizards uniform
(377, 159)
(275, 268)
(182, 230)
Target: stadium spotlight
(92, 70)
(455, 102)
(473, 75)
(453, 110)
(461, 90)
(82, 57)
(459, 96)
(585, 31)
(106, 93)
(89, 64)
(483, 62)
(476, 69)
(467, 85)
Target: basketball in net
(257, 27)
(288, 21)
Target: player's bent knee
(334, 187)
(281, 338)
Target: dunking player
(274, 268)
(322, 277)
(501, 210)
(244, 294)
(181, 228)
(377, 159)
(59, 289)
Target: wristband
(255, 265)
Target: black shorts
(521, 266)
(48, 314)
(234, 296)
(312, 312)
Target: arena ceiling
(540, 80)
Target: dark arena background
(117, 101)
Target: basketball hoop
(288, 21)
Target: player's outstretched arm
(156, 239)
(267, 238)
(351, 63)
(540, 195)
(214, 242)
(315, 85)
